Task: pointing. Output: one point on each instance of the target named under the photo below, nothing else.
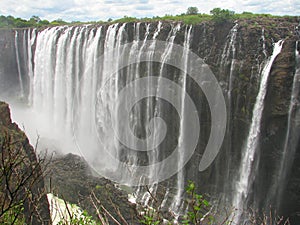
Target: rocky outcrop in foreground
(21, 176)
(71, 179)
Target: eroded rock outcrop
(73, 180)
(21, 174)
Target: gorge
(103, 92)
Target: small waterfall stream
(228, 66)
(245, 174)
(181, 145)
(231, 49)
(19, 65)
(291, 138)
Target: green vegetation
(58, 22)
(221, 15)
(192, 11)
(199, 208)
(125, 19)
(14, 215)
(217, 15)
(79, 219)
(192, 16)
(34, 21)
(150, 220)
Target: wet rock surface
(71, 179)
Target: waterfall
(75, 74)
(228, 59)
(157, 111)
(180, 175)
(245, 175)
(263, 42)
(64, 79)
(19, 65)
(232, 65)
(149, 113)
(150, 109)
(31, 37)
(291, 138)
(44, 60)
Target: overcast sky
(95, 10)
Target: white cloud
(87, 10)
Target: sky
(95, 10)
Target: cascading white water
(157, 110)
(244, 179)
(68, 70)
(65, 66)
(44, 60)
(133, 73)
(19, 65)
(230, 49)
(180, 175)
(149, 104)
(291, 138)
(228, 59)
(232, 66)
(263, 39)
(60, 85)
(88, 76)
(31, 37)
(111, 59)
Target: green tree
(192, 11)
(10, 21)
(3, 21)
(44, 22)
(36, 19)
(20, 23)
(58, 22)
(222, 15)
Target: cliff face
(8, 67)
(22, 178)
(236, 55)
(235, 52)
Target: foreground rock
(71, 179)
(22, 183)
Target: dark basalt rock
(36, 207)
(8, 67)
(73, 180)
